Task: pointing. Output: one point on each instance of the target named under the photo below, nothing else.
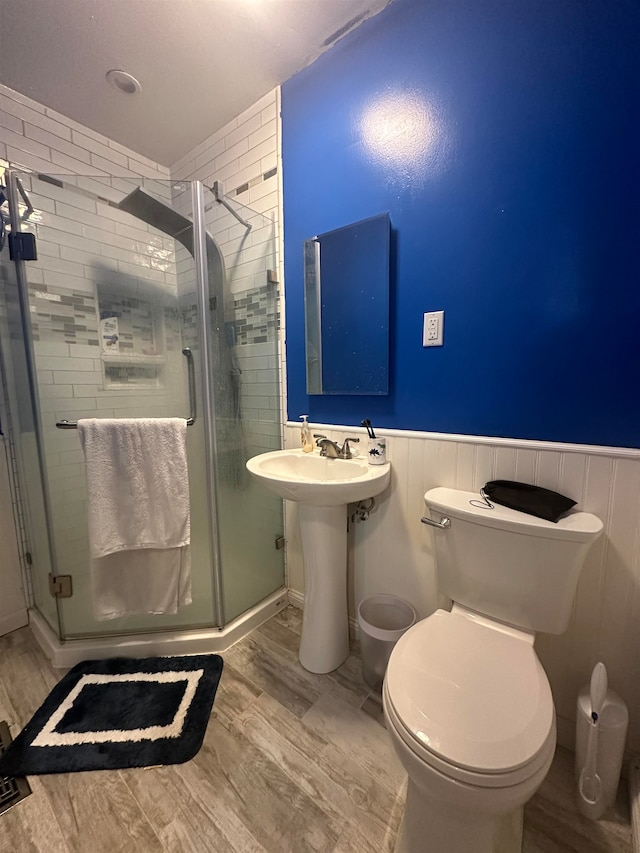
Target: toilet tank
(509, 565)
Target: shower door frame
(11, 182)
(208, 400)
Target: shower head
(145, 207)
(159, 215)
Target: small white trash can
(382, 620)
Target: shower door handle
(186, 352)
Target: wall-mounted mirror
(346, 299)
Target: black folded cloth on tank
(534, 500)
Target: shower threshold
(64, 654)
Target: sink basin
(317, 481)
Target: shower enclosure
(147, 299)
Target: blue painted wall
(503, 137)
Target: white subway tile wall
(37, 137)
(244, 156)
(240, 155)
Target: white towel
(139, 522)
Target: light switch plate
(433, 329)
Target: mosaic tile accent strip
(58, 314)
(66, 316)
(257, 315)
(243, 188)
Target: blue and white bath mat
(117, 713)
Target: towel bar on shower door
(186, 352)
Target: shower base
(67, 653)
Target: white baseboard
(296, 598)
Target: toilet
(466, 701)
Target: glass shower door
(109, 321)
(19, 428)
(246, 408)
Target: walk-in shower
(147, 298)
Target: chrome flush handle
(443, 524)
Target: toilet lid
(474, 694)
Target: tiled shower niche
(132, 340)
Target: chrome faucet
(331, 449)
(345, 453)
(328, 448)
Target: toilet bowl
(470, 715)
(467, 703)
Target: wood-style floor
(291, 762)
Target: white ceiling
(200, 62)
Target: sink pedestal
(325, 622)
(323, 488)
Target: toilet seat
(469, 696)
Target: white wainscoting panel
(393, 552)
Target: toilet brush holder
(613, 721)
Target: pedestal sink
(322, 487)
